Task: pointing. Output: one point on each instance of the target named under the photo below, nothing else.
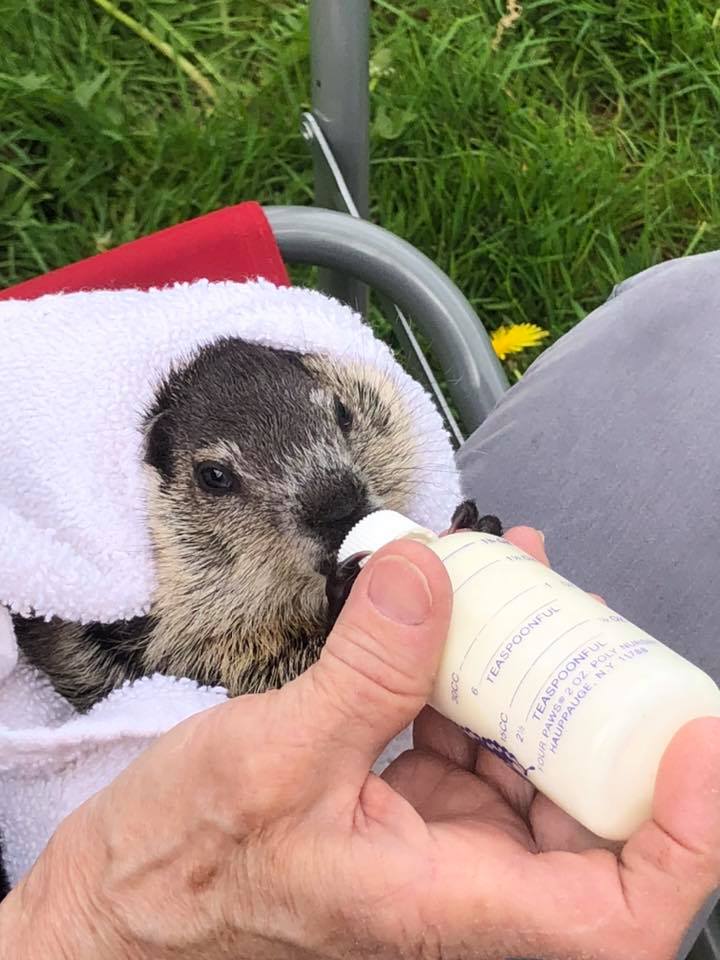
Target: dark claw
(338, 585)
(467, 517)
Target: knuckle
(360, 656)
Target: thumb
(378, 665)
(670, 868)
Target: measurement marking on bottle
(473, 543)
(456, 551)
(475, 574)
(492, 617)
(543, 652)
(555, 669)
(503, 642)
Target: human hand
(256, 830)
(576, 895)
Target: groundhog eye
(215, 478)
(343, 416)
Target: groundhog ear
(158, 444)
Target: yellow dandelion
(516, 338)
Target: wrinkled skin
(255, 830)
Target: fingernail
(541, 535)
(399, 591)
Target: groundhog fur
(258, 462)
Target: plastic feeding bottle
(569, 693)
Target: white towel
(77, 373)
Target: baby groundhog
(258, 463)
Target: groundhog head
(259, 461)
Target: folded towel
(77, 373)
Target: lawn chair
(355, 256)
(245, 241)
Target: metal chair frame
(356, 255)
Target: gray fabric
(702, 938)
(610, 445)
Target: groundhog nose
(333, 506)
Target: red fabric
(235, 243)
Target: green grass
(581, 151)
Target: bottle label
(527, 653)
